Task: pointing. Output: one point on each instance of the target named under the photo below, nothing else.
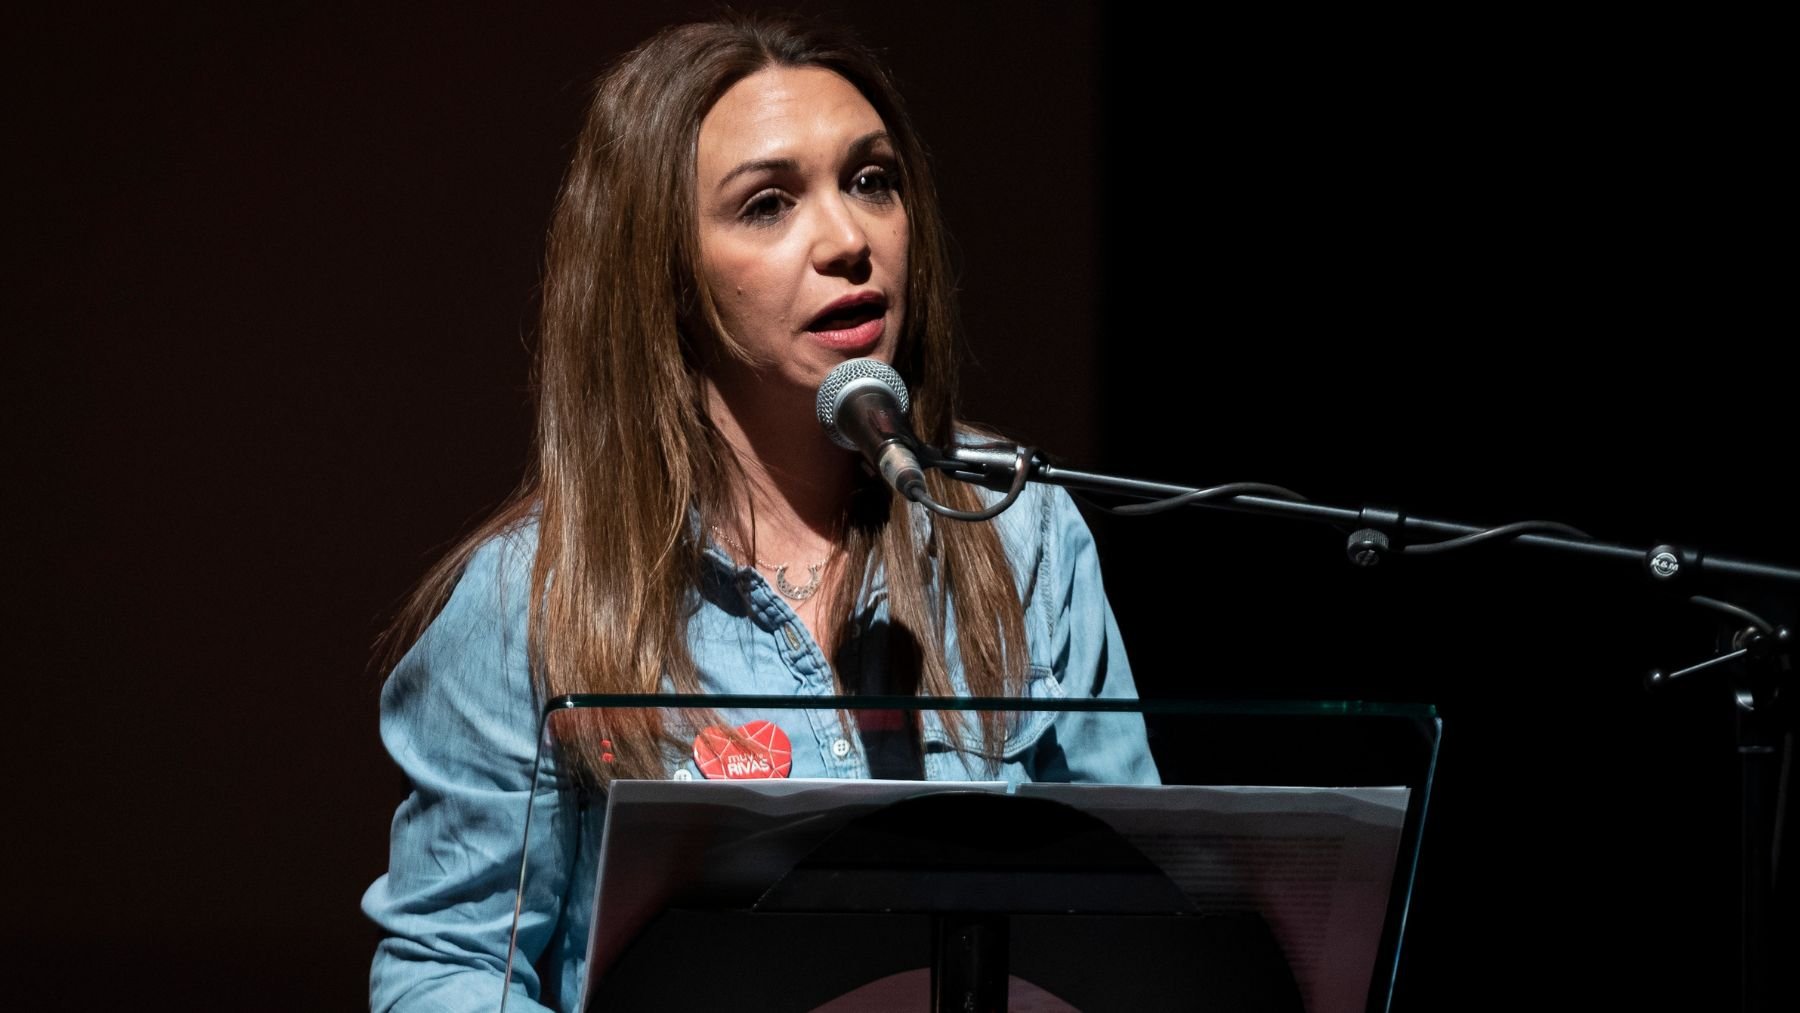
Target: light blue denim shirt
(459, 715)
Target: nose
(841, 242)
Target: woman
(747, 207)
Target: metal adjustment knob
(1366, 547)
(1664, 562)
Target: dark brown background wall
(273, 317)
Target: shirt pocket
(946, 761)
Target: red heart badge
(757, 750)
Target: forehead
(783, 112)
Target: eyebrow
(858, 148)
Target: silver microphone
(862, 404)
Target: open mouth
(845, 318)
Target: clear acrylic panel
(1305, 816)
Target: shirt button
(840, 748)
(683, 774)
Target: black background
(274, 300)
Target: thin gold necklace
(782, 584)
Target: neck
(796, 482)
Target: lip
(860, 337)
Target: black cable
(1735, 612)
(1021, 471)
(1225, 491)
(1503, 531)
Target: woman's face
(802, 230)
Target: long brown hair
(626, 455)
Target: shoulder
(1040, 522)
(1043, 513)
(503, 561)
(472, 657)
(1043, 533)
(495, 580)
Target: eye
(874, 183)
(766, 208)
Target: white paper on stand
(721, 843)
(1316, 863)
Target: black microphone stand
(1759, 655)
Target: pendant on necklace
(801, 593)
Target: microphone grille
(850, 375)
